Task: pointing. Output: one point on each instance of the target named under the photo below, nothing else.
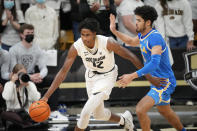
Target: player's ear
(148, 23)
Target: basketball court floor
(187, 114)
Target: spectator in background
(19, 93)
(126, 17)
(29, 54)
(4, 64)
(99, 10)
(107, 8)
(10, 19)
(76, 18)
(45, 21)
(55, 4)
(151, 2)
(23, 5)
(175, 23)
(193, 4)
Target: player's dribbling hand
(44, 99)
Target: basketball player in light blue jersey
(156, 62)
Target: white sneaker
(56, 116)
(128, 121)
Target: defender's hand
(159, 82)
(126, 79)
(112, 23)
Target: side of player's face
(88, 37)
(140, 24)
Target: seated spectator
(29, 54)
(10, 19)
(45, 21)
(19, 93)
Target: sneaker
(128, 121)
(56, 116)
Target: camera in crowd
(23, 77)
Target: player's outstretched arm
(61, 75)
(112, 45)
(132, 41)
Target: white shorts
(96, 83)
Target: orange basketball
(39, 111)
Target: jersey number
(98, 64)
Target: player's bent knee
(139, 110)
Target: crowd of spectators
(28, 28)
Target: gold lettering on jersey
(144, 50)
(173, 12)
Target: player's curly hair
(91, 24)
(147, 13)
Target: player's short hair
(147, 13)
(26, 26)
(91, 24)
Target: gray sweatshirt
(29, 57)
(4, 64)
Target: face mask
(29, 38)
(40, 1)
(8, 4)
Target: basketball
(39, 111)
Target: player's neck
(146, 31)
(91, 45)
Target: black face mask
(29, 38)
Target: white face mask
(8, 4)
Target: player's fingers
(120, 77)
(162, 79)
(163, 82)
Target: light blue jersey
(164, 70)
